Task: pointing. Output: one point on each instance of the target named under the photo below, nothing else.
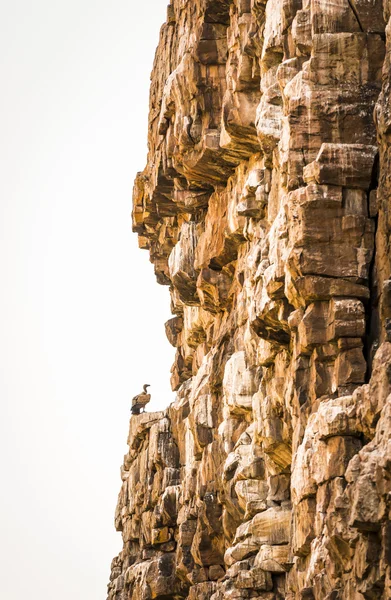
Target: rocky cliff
(265, 207)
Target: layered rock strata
(265, 208)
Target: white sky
(81, 316)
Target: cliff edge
(264, 206)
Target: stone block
(275, 559)
(272, 526)
(346, 165)
(255, 579)
(303, 526)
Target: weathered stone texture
(265, 207)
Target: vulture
(141, 400)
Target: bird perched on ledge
(141, 400)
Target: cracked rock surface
(265, 207)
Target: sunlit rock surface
(265, 207)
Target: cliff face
(265, 207)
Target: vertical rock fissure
(354, 9)
(372, 332)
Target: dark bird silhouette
(141, 400)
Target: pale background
(81, 316)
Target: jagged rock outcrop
(265, 207)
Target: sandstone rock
(264, 206)
(239, 383)
(181, 263)
(256, 579)
(274, 559)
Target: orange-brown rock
(265, 207)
